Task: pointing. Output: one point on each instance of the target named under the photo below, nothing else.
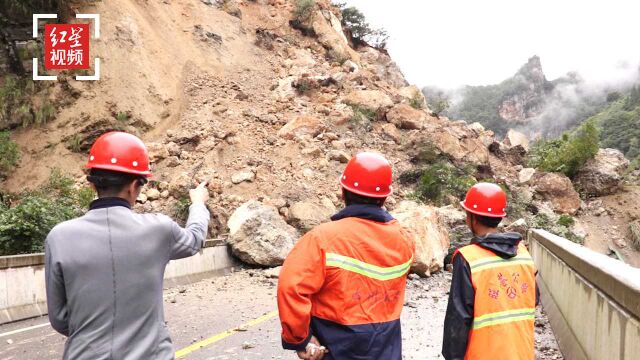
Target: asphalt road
(233, 317)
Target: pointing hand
(200, 194)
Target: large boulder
(259, 236)
(515, 138)
(157, 151)
(603, 174)
(383, 66)
(459, 141)
(392, 132)
(406, 117)
(284, 89)
(306, 214)
(558, 190)
(411, 94)
(329, 33)
(371, 100)
(519, 226)
(430, 235)
(302, 126)
(525, 175)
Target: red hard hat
(368, 174)
(486, 199)
(119, 151)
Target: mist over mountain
(532, 104)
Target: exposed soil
(606, 224)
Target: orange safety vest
(504, 305)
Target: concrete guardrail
(592, 300)
(22, 287)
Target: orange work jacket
(504, 305)
(345, 282)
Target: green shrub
(304, 10)
(25, 225)
(122, 117)
(181, 209)
(442, 182)
(9, 153)
(16, 101)
(305, 85)
(22, 10)
(543, 221)
(361, 32)
(417, 101)
(45, 113)
(566, 220)
(619, 125)
(75, 143)
(361, 115)
(567, 154)
(439, 105)
(85, 196)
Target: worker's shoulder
(66, 227)
(353, 224)
(153, 218)
(469, 252)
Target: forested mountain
(528, 102)
(619, 124)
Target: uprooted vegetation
(27, 218)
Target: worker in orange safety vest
(341, 288)
(493, 296)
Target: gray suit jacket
(104, 274)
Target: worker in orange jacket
(493, 295)
(341, 288)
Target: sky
(449, 43)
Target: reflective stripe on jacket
(504, 305)
(344, 283)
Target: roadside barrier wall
(22, 286)
(592, 300)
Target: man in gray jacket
(104, 270)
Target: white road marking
(23, 330)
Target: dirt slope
(606, 224)
(149, 51)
